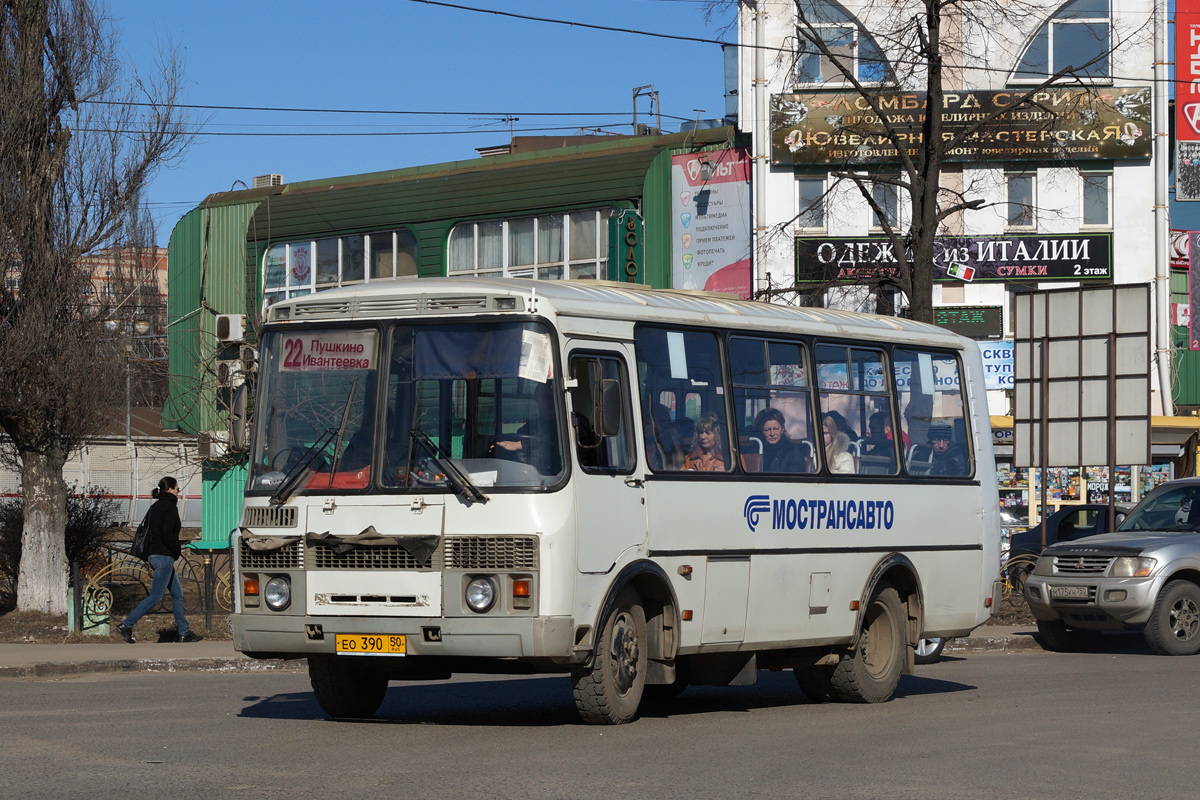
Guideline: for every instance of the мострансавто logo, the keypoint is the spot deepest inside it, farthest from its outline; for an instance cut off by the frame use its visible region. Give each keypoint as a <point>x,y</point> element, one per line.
<point>831,515</point>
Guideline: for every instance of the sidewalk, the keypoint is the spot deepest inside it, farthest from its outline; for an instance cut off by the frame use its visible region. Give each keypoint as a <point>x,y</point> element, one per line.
<point>33,661</point>
<point>56,660</point>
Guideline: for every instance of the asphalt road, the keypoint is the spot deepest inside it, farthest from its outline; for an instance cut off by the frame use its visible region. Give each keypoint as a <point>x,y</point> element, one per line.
<point>1115,722</point>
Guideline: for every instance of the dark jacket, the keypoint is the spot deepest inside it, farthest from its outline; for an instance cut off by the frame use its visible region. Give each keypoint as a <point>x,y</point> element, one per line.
<point>164,526</point>
<point>783,456</point>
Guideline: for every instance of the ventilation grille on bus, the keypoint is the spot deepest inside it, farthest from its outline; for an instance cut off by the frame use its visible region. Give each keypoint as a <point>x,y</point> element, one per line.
<point>390,306</point>
<point>286,557</point>
<point>390,557</point>
<point>491,552</point>
<point>270,517</point>
<point>435,304</point>
<point>326,309</point>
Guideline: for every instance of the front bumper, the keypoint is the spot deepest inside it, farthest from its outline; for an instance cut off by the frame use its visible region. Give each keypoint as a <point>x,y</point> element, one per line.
<point>287,636</point>
<point>1111,603</point>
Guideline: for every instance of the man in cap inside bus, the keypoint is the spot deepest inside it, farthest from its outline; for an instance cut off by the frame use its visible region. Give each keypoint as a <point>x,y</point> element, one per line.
<point>947,458</point>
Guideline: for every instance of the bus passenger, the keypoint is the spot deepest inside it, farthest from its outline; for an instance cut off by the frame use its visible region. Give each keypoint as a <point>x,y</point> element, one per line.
<point>948,458</point>
<point>837,447</point>
<point>779,454</point>
<point>708,452</point>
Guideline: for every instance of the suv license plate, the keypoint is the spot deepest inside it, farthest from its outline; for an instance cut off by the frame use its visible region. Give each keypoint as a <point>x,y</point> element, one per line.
<point>360,645</point>
<point>1069,592</point>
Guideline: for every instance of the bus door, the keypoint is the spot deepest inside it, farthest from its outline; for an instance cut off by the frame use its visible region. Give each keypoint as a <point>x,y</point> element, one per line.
<point>610,508</point>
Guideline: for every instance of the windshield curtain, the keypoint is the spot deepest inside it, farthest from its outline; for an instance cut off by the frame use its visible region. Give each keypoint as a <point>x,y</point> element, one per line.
<point>484,394</point>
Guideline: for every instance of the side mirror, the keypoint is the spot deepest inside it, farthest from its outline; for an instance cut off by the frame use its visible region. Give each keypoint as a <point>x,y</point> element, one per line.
<point>608,407</point>
<point>237,419</point>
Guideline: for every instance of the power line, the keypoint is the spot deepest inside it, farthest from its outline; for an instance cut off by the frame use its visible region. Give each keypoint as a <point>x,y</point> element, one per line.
<point>473,131</point>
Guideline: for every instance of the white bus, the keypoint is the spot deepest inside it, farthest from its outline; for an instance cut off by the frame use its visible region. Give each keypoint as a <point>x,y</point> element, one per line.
<point>641,488</point>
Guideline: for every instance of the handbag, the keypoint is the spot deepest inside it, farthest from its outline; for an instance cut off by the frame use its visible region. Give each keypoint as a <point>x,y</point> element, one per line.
<point>140,547</point>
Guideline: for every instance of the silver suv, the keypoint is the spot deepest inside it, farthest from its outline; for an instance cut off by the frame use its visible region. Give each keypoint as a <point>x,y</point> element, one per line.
<point>1145,576</point>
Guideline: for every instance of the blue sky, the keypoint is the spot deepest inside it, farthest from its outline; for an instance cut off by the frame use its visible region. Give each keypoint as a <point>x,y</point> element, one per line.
<point>406,56</point>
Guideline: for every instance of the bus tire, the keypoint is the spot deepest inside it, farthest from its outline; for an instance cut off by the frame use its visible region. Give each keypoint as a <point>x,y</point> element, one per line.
<point>609,692</point>
<point>346,687</point>
<point>871,672</point>
<point>816,684</point>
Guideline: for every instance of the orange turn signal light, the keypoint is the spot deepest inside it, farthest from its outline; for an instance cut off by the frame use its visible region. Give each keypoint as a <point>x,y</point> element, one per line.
<point>854,605</point>
<point>522,587</point>
<point>687,615</point>
<point>250,586</point>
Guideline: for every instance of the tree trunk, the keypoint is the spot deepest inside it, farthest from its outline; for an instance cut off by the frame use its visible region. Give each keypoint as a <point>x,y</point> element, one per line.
<point>42,583</point>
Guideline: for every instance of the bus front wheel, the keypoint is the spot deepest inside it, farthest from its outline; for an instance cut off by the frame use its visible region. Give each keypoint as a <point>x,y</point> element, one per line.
<point>871,672</point>
<point>346,687</point>
<point>610,690</point>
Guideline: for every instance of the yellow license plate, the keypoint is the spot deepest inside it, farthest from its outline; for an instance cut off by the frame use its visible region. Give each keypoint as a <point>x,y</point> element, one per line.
<point>366,645</point>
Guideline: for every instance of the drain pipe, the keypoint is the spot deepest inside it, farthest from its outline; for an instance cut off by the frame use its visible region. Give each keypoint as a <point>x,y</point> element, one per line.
<point>762,146</point>
<point>1162,277</point>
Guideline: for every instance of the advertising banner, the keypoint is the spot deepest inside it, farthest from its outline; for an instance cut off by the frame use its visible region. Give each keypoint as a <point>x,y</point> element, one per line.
<point>1194,292</point>
<point>997,365</point>
<point>815,128</point>
<point>1009,257</point>
<point>710,222</point>
<point>1179,250</point>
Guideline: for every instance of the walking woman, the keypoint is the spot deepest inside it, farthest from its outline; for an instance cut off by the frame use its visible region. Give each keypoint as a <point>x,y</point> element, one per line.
<point>164,549</point>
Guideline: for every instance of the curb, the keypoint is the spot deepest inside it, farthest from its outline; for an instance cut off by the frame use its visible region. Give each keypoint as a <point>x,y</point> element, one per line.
<point>992,644</point>
<point>236,664</point>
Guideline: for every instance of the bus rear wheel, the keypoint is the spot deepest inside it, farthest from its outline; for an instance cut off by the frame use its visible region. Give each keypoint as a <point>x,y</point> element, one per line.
<point>870,674</point>
<point>346,687</point>
<point>609,692</point>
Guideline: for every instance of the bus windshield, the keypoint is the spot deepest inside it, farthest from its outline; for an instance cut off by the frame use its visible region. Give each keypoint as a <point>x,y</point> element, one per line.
<point>333,417</point>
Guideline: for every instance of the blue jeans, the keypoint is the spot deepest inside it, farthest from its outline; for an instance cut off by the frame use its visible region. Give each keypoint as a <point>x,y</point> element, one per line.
<point>164,578</point>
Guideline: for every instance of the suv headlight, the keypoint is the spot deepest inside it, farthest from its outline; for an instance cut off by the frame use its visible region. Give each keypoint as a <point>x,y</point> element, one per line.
<point>1045,566</point>
<point>1131,567</point>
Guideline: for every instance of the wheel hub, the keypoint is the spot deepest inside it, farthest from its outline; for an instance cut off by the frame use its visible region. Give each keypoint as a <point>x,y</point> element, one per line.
<point>1185,620</point>
<point>625,652</point>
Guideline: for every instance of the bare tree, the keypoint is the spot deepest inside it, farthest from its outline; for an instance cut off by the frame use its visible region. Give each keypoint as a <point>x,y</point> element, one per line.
<point>904,64</point>
<point>80,137</point>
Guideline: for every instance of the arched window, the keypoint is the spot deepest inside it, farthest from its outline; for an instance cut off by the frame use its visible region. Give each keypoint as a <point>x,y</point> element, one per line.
<point>1078,36</point>
<point>847,41</point>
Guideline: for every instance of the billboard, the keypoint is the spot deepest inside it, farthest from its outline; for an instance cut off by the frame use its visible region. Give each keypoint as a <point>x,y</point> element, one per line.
<point>710,222</point>
<point>971,259</point>
<point>822,127</point>
<point>1187,100</point>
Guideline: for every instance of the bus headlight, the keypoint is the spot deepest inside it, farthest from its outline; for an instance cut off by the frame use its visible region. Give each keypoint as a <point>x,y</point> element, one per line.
<point>481,594</point>
<point>278,593</point>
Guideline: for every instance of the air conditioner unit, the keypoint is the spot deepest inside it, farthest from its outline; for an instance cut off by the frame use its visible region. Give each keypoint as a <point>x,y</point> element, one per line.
<point>264,181</point>
<point>231,327</point>
<point>230,373</point>
<point>249,358</point>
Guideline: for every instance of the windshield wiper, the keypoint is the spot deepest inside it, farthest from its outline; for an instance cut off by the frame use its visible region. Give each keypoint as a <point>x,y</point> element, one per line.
<point>299,470</point>
<point>454,476</point>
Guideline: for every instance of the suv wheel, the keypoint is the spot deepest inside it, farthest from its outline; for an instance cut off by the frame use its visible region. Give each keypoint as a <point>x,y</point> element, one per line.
<point>1057,637</point>
<point>1174,625</point>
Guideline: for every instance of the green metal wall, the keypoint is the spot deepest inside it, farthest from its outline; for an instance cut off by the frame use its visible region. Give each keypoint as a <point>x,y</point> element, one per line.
<point>1185,363</point>
<point>206,277</point>
<point>222,491</point>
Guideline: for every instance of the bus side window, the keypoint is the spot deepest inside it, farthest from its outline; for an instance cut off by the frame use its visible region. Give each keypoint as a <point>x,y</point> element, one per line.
<point>598,453</point>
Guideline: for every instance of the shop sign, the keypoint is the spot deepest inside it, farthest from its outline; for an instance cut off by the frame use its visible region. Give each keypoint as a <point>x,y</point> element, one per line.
<point>626,248</point>
<point>1054,124</point>
<point>1012,257</point>
<point>1179,249</point>
<point>997,365</point>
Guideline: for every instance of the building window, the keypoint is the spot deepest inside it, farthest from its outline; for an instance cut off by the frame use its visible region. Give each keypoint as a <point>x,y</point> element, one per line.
<point>547,247</point>
<point>811,203</point>
<point>886,197</point>
<point>1097,198</point>
<point>847,44</point>
<point>1020,200</point>
<point>1077,35</point>
<point>294,269</point>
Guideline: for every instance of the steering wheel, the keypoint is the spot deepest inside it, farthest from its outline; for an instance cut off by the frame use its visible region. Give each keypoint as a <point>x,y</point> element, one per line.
<point>280,461</point>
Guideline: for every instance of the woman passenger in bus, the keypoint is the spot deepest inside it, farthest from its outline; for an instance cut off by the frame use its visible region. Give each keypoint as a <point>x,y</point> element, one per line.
<point>708,451</point>
<point>779,454</point>
<point>837,447</point>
